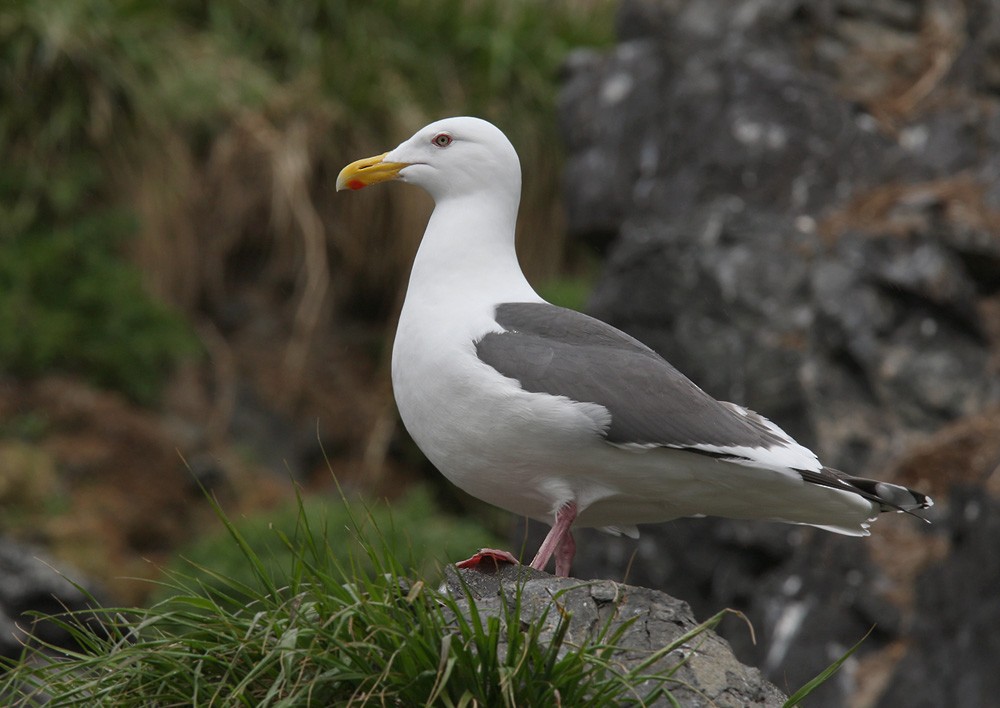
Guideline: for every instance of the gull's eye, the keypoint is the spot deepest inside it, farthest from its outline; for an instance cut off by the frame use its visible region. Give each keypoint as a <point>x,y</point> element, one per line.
<point>442,140</point>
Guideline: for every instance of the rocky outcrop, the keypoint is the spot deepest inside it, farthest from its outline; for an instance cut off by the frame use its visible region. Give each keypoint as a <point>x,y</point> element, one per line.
<point>800,207</point>
<point>704,671</point>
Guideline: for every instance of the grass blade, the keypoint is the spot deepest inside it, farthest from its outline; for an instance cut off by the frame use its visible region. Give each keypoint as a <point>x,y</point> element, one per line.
<point>821,678</point>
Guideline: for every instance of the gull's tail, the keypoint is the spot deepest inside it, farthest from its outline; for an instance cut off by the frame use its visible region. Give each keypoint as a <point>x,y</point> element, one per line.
<point>889,497</point>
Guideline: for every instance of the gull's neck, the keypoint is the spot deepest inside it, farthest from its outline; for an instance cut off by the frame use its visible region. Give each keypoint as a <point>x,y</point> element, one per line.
<point>468,253</point>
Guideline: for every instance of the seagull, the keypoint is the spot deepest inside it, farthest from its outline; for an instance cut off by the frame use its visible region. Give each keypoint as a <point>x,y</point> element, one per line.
<point>557,416</point>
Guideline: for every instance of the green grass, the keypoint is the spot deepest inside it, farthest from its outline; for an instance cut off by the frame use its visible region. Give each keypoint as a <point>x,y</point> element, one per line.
<point>337,624</point>
<point>421,537</point>
<point>335,627</point>
<point>823,676</point>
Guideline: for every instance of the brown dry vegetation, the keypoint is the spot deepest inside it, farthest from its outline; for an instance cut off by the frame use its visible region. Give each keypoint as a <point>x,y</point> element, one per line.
<point>220,129</point>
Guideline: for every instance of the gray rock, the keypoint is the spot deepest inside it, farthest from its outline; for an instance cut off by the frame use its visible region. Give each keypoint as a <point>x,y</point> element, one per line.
<point>708,674</point>
<point>32,583</point>
<point>722,295</point>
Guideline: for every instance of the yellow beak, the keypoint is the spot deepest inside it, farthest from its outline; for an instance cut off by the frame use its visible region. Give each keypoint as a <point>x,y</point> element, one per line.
<point>370,170</point>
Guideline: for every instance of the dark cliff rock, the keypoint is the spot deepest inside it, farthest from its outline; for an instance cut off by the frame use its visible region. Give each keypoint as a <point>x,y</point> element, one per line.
<point>800,209</point>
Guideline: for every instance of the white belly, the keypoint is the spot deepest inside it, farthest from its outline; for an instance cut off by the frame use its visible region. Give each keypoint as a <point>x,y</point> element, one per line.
<point>486,435</point>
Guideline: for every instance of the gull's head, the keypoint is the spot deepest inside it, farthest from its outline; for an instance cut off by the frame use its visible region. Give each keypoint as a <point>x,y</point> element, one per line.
<point>448,158</point>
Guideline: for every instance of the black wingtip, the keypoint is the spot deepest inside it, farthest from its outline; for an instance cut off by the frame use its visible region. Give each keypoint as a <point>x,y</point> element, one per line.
<point>889,497</point>
<point>893,496</point>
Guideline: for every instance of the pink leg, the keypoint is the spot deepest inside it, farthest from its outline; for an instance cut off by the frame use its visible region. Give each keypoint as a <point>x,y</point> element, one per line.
<point>555,539</point>
<point>564,555</point>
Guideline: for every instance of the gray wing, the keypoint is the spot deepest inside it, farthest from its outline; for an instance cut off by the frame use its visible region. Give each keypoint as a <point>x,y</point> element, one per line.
<point>554,350</point>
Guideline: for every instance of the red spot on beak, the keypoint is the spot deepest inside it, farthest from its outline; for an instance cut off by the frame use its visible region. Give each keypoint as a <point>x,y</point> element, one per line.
<point>355,184</point>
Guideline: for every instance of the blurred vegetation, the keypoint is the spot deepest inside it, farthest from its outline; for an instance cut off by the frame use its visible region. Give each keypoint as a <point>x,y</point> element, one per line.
<point>68,300</point>
<point>157,155</point>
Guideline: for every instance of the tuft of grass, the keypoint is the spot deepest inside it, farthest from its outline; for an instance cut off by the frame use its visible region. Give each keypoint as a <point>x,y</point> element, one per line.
<point>337,624</point>
<point>333,628</point>
<point>415,530</point>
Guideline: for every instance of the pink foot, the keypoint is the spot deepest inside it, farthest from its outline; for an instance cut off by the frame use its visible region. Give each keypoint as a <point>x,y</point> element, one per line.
<point>498,558</point>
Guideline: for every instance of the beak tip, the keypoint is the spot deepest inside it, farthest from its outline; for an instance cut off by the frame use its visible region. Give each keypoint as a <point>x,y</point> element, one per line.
<point>370,170</point>
<point>353,184</point>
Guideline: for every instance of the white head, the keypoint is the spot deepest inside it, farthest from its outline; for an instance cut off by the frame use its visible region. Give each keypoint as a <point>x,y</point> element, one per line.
<point>453,157</point>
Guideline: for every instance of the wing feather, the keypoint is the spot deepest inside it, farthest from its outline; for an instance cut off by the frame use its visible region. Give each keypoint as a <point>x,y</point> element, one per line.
<point>553,350</point>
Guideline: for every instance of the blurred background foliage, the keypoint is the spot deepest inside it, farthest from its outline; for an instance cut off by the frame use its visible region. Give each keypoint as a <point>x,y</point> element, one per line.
<point>196,143</point>
<point>170,234</point>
